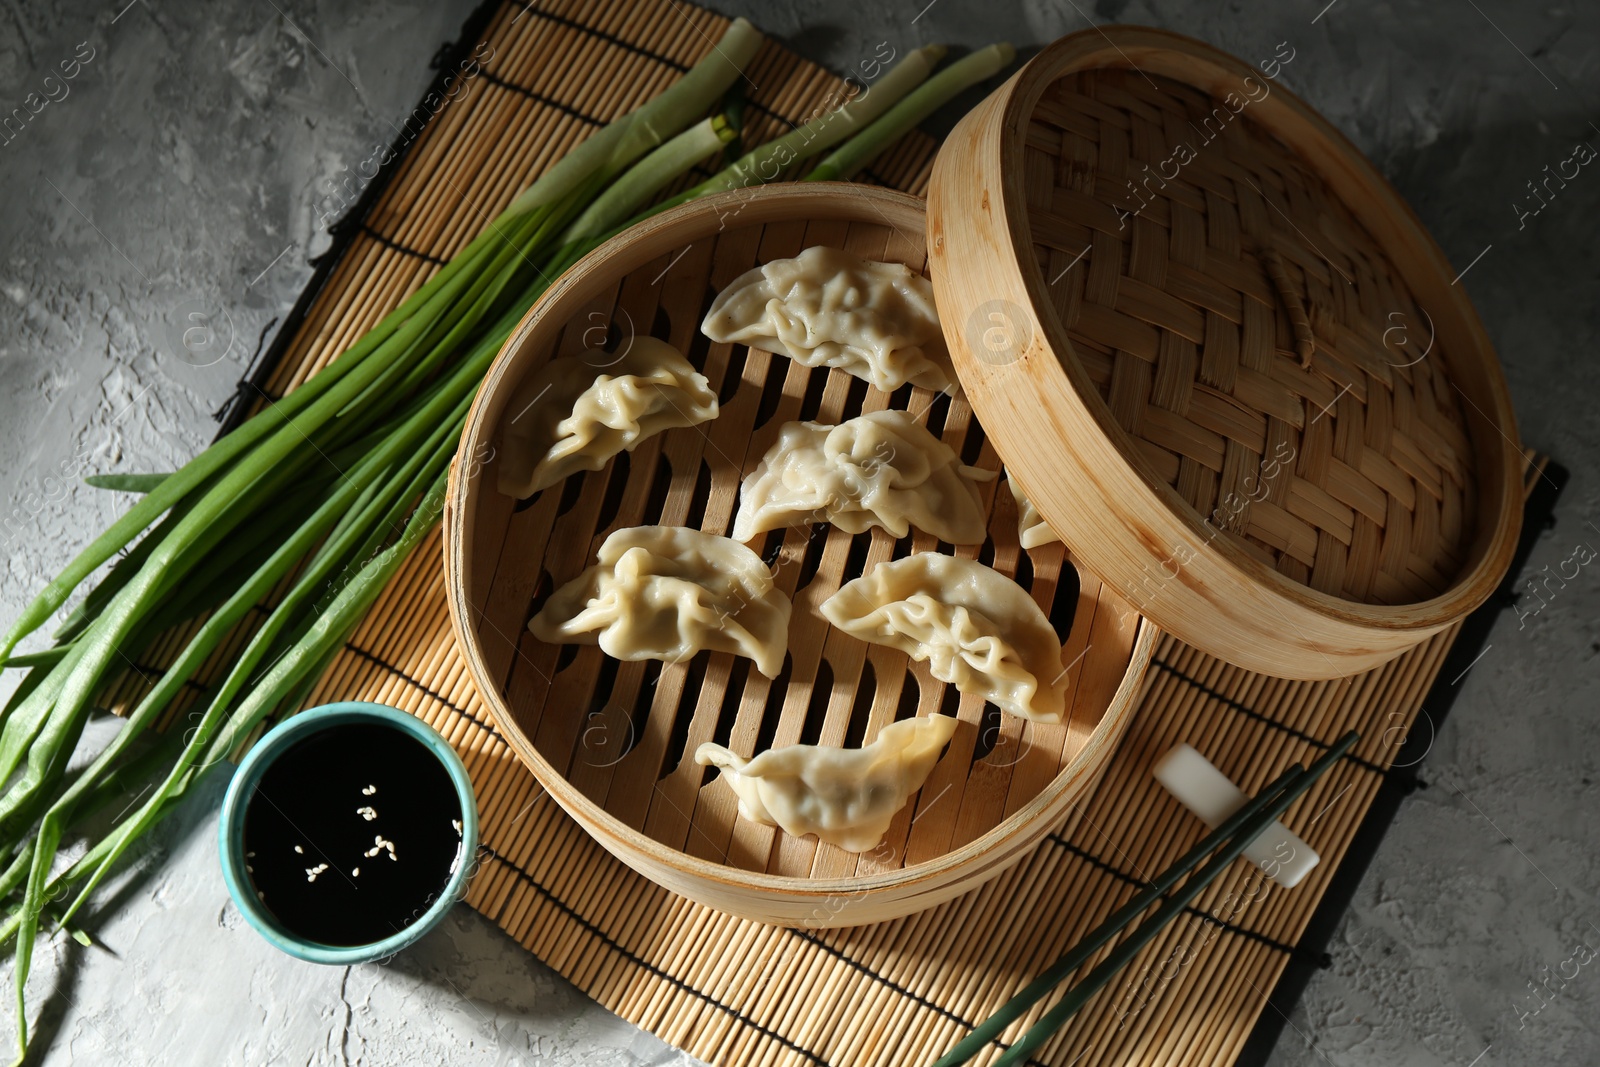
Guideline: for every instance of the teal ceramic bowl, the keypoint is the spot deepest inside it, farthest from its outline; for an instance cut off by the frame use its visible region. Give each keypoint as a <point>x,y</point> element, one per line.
<point>243,787</point>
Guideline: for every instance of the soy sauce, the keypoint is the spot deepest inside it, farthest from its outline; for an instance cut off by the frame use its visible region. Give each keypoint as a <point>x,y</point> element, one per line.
<point>352,834</point>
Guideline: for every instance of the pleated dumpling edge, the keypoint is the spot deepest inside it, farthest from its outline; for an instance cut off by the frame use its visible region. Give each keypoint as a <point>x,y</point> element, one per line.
<point>575,413</point>
<point>830,308</point>
<point>668,592</point>
<point>977,629</point>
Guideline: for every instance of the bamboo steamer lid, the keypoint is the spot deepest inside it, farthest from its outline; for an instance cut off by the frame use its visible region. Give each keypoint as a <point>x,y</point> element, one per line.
<point>1221,356</point>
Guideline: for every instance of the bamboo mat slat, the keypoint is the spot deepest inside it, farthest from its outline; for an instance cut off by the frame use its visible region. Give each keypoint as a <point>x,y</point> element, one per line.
<point>730,991</point>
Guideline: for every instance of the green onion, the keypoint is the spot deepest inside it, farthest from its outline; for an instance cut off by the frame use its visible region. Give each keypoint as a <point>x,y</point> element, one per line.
<point>616,146</point>
<point>128,483</point>
<point>768,162</point>
<point>917,105</point>
<point>362,402</point>
<point>650,176</point>
<point>877,125</point>
<point>45,657</point>
<point>733,102</point>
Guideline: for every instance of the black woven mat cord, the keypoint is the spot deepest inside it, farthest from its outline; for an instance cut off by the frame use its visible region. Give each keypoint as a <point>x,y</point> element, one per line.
<point>1538,515</point>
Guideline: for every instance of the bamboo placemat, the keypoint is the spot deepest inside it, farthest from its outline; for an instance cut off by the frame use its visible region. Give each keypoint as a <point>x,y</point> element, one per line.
<point>730,991</point>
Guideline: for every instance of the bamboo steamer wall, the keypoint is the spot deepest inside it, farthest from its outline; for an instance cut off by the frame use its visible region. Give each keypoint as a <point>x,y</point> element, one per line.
<point>1229,365</point>
<point>614,742</point>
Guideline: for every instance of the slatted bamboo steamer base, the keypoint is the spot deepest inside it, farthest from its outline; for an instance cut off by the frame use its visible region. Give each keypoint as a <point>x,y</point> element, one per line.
<point>1239,380</point>
<point>614,742</point>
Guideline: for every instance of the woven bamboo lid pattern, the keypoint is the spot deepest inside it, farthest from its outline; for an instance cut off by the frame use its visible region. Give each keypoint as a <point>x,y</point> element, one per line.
<point>1253,351</point>
<point>1232,350</point>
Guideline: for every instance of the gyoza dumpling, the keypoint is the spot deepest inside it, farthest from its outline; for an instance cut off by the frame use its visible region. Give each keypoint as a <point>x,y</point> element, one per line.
<point>976,628</point>
<point>1032,531</point>
<point>882,468</point>
<point>574,414</point>
<point>665,593</point>
<point>831,308</point>
<point>847,796</point>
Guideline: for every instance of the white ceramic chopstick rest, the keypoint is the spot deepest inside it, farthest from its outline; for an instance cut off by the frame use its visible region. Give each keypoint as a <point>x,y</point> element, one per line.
<point>1207,792</point>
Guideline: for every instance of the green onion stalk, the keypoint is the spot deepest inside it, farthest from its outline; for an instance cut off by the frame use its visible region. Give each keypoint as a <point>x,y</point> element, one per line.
<point>305,512</point>
<point>256,470</point>
<point>769,161</point>
<point>917,105</point>
<point>867,126</point>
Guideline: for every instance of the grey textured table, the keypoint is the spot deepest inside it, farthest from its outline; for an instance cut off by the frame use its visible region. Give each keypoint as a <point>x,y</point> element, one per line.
<point>186,163</point>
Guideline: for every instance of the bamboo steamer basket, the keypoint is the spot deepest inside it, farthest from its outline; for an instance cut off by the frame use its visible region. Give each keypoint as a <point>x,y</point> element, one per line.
<point>1379,481</point>
<point>614,742</point>
<point>1239,380</point>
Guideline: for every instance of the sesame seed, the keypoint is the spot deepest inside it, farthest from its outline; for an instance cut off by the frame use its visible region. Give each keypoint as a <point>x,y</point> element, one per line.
<point>367,813</point>
<point>300,850</point>
<point>355,872</point>
<point>369,790</point>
